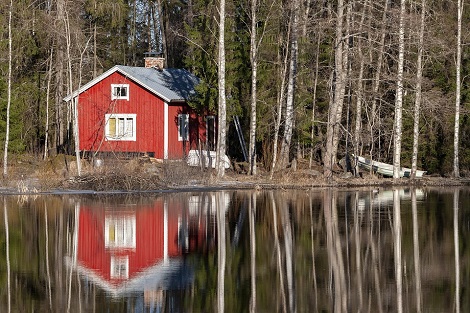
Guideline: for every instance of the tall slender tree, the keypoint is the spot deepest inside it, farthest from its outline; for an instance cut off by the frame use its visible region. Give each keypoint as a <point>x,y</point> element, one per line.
<point>222,109</point>
<point>419,82</point>
<point>458,88</point>
<point>397,135</point>
<point>7,132</point>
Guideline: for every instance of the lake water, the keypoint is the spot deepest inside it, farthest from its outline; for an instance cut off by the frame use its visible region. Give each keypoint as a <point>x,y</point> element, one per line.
<point>325,250</point>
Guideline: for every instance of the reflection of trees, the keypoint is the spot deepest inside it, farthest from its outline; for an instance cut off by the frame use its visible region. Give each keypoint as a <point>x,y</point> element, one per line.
<point>334,250</point>
<point>7,253</point>
<point>397,249</point>
<point>456,249</point>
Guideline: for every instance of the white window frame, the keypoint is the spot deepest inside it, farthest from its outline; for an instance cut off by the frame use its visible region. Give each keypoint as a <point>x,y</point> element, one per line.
<point>127,133</point>
<point>183,136</point>
<point>119,267</point>
<point>124,232</point>
<point>115,96</point>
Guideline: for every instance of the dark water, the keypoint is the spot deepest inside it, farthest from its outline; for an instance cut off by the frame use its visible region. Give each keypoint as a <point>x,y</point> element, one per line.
<point>237,251</point>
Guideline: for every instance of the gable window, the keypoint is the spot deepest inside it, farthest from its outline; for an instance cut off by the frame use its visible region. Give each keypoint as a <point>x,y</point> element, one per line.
<point>120,91</point>
<point>183,127</point>
<point>120,127</point>
<point>119,267</point>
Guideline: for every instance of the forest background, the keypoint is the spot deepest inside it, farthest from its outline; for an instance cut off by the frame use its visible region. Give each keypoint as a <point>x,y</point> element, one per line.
<point>294,48</point>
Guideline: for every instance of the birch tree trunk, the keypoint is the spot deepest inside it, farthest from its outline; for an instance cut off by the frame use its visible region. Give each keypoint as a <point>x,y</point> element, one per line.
<point>289,121</point>
<point>399,95</point>
<point>48,92</point>
<point>254,70</point>
<point>336,100</point>
<point>7,131</point>
<point>419,82</point>
<point>280,101</point>
<point>222,117</point>
<point>314,100</point>
<point>457,88</point>
<point>68,40</point>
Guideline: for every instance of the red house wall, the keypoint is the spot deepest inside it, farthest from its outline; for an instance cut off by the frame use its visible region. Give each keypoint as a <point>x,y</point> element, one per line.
<point>95,102</point>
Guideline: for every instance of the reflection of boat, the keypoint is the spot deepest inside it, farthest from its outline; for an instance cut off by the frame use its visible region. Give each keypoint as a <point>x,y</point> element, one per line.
<point>384,168</point>
<point>385,197</point>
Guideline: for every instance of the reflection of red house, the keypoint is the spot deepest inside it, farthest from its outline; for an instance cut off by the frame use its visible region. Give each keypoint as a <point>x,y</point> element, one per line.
<point>127,249</point>
<point>141,110</point>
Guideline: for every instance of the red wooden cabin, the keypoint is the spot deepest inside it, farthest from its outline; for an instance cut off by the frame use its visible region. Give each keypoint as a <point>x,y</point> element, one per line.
<point>141,110</point>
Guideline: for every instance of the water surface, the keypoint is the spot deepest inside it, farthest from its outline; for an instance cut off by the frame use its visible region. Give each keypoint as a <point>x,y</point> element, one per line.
<point>326,250</point>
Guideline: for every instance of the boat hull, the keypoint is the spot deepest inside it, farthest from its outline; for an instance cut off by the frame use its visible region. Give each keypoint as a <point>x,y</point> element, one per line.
<point>385,169</point>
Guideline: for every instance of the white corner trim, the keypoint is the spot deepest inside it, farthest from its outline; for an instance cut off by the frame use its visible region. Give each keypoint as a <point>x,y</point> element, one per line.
<point>165,131</point>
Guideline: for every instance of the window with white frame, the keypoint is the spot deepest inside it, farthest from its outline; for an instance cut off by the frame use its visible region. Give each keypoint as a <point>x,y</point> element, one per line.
<point>183,127</point>
<point>120,232</point>
<point>120,91</point>
<point>120,127</point>
<point>119,267</point>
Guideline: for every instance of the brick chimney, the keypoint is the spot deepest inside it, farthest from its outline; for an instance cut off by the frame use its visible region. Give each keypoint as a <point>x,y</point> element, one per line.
<point>155,62</point>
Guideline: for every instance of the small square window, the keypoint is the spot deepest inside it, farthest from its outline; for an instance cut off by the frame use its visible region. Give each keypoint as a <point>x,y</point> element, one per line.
<point>120,91</point>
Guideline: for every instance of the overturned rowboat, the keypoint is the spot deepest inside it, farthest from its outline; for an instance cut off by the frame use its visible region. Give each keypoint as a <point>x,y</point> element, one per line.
<point>384,168</point>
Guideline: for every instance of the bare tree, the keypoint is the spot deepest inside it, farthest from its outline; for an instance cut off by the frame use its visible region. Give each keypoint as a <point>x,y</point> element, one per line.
<point>254,72</point>
<point>222,110</point>
<point>7,131</point>
<point>399,94</point>
<point>289,121</point>
<point>337,98</point>
<point>419,82</point>
<point>457,87</point>
<point>416,258</point>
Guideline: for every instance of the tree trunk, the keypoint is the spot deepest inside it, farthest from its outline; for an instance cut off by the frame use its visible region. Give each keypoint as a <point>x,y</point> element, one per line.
<point>419,82</point>
<point>336,100</point>
<point>222,118</point>
<point>7,132</point>
<point>399,95</point>
<point>254,71</point>
<point>48,92</point>
<point>457,88</point>
<point>314,100</point>
<point>289,121</point>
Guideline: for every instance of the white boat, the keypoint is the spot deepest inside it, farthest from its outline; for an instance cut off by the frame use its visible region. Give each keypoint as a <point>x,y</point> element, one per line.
<point>384,168</point>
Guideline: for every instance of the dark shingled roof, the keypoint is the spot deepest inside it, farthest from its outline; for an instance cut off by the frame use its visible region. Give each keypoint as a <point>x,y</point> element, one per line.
<point>171,84</point>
